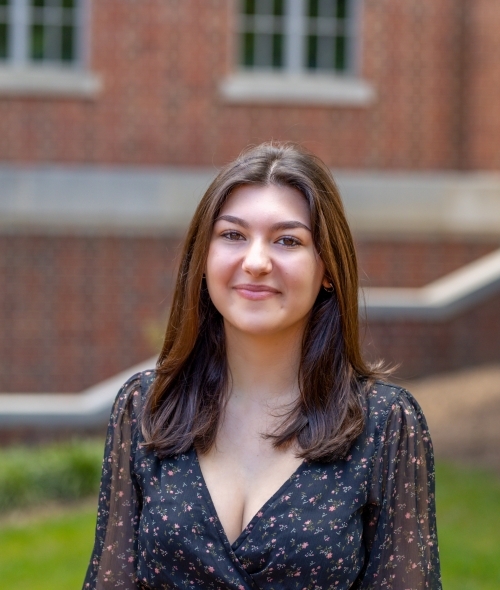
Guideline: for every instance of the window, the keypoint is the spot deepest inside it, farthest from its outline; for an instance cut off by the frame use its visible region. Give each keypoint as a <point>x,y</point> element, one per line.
<point>40,31</point>
<point>298,52</point>
<point>42,49</point>
<point>296,35</point>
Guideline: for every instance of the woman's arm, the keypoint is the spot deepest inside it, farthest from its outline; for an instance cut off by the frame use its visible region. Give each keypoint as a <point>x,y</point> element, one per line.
<point>400,527</point>
<point>114,561</point>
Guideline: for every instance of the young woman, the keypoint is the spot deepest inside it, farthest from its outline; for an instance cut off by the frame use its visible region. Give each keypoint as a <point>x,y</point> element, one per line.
<point>263,452</point>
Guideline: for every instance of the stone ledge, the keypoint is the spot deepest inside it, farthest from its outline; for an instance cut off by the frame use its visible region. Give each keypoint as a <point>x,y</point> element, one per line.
<point>299,89</point>
<point>133,200</point>
<point>48,81</point>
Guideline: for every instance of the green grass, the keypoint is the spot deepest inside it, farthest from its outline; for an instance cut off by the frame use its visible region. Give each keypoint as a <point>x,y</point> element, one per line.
<point>468,511</point>
<point>51,552</point>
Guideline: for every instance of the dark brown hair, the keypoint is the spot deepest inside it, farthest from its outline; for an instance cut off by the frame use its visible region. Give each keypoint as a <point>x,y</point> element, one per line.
<point>185,402</point>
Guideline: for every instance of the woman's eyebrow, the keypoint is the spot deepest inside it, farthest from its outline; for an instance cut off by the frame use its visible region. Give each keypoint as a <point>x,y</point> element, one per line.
<point>233,219</point>
<point>289,225</point>
<point>280,225</point>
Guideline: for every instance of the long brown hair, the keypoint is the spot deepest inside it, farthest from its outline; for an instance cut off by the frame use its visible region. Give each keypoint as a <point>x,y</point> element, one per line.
<point>185,402</point>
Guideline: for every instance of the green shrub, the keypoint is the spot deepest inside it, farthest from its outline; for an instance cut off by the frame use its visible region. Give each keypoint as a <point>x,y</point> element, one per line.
<point>64,471</point>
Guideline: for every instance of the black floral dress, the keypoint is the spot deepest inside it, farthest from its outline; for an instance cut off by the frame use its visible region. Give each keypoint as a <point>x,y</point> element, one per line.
<point>365,522</point>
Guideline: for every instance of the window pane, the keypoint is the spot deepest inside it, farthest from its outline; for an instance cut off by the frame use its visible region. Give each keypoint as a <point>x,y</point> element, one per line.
<point>322,8</point>
<point>312,9</point>
<point>278,8</point>
<point>263,41</point>
<point>248,6</point>
<point>52,43</point>
<point>248,49</point>
<point>277,50</point>
<point>327,41</point>
<point>4,40</point>
<point>327,8</point>
<point>37,42</point>
<point>312,51</point>
<point>67,43</point>
<point>341,8</point>
<point>4,11</point>
<point>265,6</point>
<point>340,53</point>
<point>53,30</point>
<point>325,53</point>
<point>263,50</point>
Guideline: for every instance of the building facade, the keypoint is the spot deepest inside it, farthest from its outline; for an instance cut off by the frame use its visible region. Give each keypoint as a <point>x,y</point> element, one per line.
<point>403,91</point>
<point>385,84</point>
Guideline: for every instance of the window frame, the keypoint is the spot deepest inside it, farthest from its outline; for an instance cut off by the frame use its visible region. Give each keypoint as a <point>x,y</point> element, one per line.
<point>21,75</point>
<point>294,28</point>
<point>19,53</point>
<point>299,86</point>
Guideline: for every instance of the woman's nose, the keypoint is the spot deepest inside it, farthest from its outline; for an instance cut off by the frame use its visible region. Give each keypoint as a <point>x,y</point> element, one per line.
<point>257,260</point>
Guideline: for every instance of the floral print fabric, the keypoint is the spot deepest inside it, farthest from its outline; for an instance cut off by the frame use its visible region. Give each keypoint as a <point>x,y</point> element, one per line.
<point>365,522</point>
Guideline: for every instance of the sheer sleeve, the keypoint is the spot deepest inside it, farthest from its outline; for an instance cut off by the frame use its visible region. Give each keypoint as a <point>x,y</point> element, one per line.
<point>114,562</point>
<point>400,528</point>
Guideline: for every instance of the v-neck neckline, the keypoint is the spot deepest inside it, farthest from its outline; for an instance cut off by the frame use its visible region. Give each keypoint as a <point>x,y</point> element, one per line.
<point>258,515</point>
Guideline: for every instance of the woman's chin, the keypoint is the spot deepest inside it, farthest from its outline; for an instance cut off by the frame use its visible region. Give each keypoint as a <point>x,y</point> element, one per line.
<point>262,328</point>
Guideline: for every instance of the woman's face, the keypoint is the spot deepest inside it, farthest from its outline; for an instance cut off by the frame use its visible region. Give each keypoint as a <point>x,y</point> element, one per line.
<point>263,272</point>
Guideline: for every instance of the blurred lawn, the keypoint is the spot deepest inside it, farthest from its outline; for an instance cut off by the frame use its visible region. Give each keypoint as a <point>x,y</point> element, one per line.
<point>49,552</point>
<point>468,506</point>
<point>52,552</point>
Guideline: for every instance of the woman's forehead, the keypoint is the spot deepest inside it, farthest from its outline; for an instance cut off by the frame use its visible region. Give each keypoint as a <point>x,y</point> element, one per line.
<point>254,201</point>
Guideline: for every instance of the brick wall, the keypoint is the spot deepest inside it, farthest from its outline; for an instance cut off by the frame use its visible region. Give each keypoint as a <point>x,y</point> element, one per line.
<point>481,127</point>
<point>420,348</point>
<point>434,65</point>
<point>415,262</point>
<point>78,309</point>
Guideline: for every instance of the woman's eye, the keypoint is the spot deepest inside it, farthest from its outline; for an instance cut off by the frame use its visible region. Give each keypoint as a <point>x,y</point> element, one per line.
<point>232,235</point>
<point>289,241</point>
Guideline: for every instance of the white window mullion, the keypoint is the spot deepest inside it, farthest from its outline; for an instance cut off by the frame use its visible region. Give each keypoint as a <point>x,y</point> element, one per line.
<point>354,42</point>
<point>19,37</point>
<point>294,35</point>
<point>82,32</point>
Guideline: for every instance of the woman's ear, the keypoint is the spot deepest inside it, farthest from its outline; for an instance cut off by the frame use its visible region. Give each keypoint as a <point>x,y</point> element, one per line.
<point>327,284</point>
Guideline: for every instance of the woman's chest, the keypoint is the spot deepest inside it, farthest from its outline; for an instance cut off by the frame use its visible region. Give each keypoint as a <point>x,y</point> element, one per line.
<point>312,525</point>
<point>240,482</point>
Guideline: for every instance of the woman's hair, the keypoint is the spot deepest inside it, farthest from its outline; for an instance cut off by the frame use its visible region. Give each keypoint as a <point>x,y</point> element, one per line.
<point>185,402</point>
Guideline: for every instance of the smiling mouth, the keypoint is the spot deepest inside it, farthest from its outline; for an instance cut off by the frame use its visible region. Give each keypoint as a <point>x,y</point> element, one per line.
<point>255,292</point>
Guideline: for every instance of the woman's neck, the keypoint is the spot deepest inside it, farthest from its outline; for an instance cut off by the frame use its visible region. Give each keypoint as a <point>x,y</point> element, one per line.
<point>264,369</point>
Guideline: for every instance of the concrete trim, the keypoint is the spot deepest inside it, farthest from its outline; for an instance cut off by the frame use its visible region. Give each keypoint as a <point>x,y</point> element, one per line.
<point>49,81</point>
<point>440,299</point>
<point>99,199</point>
<point>114,199</point>
<point>300,89</point>
<point>89,408</point>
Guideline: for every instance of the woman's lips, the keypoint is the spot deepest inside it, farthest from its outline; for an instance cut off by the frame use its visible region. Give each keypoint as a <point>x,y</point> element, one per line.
<point>256,292</point>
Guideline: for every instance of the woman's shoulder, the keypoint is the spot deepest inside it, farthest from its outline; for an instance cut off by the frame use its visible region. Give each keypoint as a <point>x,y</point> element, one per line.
<point>132,393</point>
<point>139,381</point>
<point>384,399</point>
<point>392,418</point>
